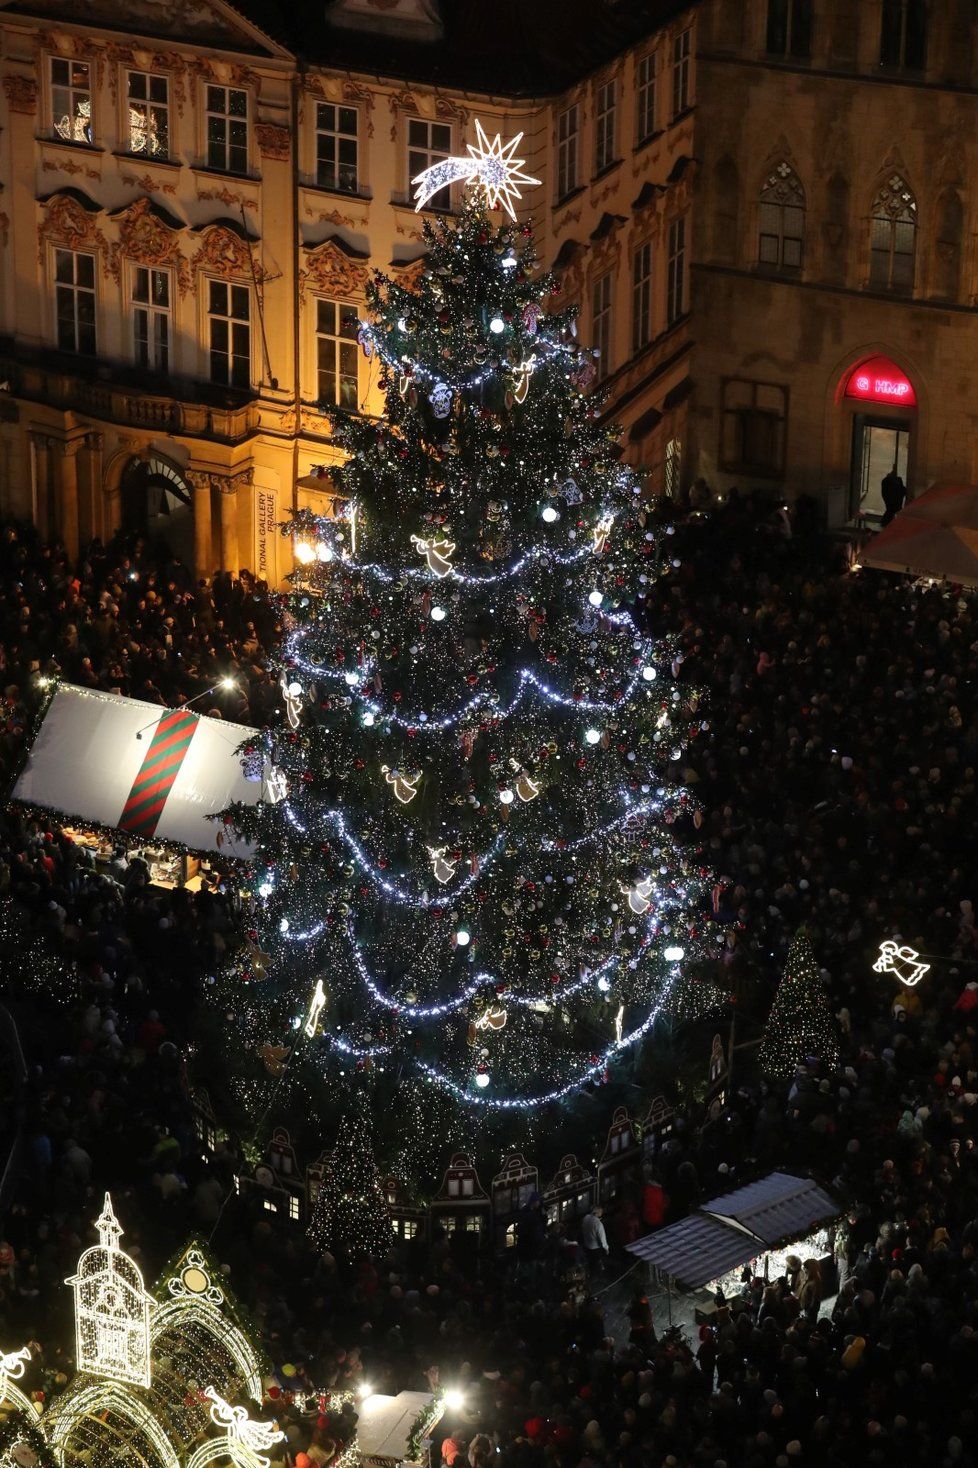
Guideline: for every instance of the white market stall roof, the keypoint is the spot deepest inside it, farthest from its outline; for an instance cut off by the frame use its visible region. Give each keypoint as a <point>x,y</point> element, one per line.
<point>385,1424</point>
<point>737,1226</point>
<point>936,535</point>
<point>152,772</point>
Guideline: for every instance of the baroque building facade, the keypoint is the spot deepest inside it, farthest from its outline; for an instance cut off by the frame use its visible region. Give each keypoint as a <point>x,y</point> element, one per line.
<point>191,208</point>
<point>834,281</point>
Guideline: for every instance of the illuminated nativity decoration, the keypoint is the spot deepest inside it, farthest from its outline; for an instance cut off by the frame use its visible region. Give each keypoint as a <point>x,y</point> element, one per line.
<point>164,1380</point>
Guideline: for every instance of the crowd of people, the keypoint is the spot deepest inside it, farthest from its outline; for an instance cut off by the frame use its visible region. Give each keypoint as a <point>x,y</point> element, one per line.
<point>837,785</point>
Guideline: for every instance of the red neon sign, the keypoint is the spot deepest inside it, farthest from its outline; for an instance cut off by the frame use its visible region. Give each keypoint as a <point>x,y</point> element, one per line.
<point>879,380</point>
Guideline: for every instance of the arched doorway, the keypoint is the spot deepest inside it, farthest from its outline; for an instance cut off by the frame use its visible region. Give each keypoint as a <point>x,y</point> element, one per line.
<point>157,502</point>
<point>882,404</point>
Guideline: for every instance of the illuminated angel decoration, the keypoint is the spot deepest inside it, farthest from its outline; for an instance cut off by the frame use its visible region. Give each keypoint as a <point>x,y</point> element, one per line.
<point>405,786</point>
<point>292,697</point>
<point>316,1007</point>
<point>601,532</point>
<point>900,961</point>
<point>438,553</point>
<point>247,1441</point>
<point>639,896</point>
<point>490,166</point>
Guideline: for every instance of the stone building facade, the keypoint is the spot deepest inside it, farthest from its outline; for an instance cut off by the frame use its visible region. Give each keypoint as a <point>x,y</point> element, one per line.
<point>834,281</point>
<point>191,207</point>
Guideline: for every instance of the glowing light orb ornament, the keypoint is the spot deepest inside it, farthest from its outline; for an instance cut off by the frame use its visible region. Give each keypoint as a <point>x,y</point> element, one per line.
<point>674,955</point>
<point>490,166</point>
<point>902,961</point>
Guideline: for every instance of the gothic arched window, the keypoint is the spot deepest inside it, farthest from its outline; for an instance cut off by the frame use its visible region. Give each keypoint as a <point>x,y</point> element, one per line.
<point>893,239</point>
<point>781,220</point>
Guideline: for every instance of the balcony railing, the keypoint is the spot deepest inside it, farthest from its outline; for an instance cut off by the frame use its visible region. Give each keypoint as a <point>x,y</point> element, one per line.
<point>168,405</point>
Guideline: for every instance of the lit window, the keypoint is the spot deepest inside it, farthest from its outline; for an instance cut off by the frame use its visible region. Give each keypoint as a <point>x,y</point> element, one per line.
<point>429,143</point>
<point>641,297</point>
<point>676,275</point>
<point>672,479</point>
<point>227,129</point>
<point>337,354</point>
<point>894,236</point>
<point>789,28</point>
<point>269,1206</point>
<point>601,328</point>
<point>409,1228</point>
<point>473,1224</point>
<point>468,1187</point>
<point>604,126</point>
<point>681,47</point>
<point>71,100</point>
<point>151,318</point>
<point>74,296</point>
<point>645,81</point>
<point>781,220</point>
<point>337,147</point>
<point>568,136</point>
<point>510,1238</point>
<point>149,114</point>
<point>229,314</point>
<point>293,1208</point>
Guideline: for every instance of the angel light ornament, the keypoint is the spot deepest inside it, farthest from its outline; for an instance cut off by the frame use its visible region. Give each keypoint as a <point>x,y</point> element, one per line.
<point>490,166</point>
<point>526,788</point>
<point>316,1007</point>
<point>405,787</point>
<point>292,697</point>
<point>276,785</point>
<point>493,1017</point>
<point>245,1442</point>
<point>437,552</point>
<point>639,896</point>
<point>443,868</point>
<point>601,532</point>
<point>901,961</point>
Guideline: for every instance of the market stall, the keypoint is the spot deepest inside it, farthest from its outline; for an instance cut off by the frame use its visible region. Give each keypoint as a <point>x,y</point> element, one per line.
<point>127,774</point>
<point>393,1432</point>
<point>756,1226</point>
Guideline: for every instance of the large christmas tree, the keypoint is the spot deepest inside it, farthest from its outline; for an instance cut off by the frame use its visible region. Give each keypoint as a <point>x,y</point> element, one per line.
<point>800,1026</point>
<point>474,854</point>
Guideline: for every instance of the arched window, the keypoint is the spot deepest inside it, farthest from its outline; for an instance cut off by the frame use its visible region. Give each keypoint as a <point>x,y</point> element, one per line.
<point>903,35</point>
<point>781,220</point>
<point>893,240</point>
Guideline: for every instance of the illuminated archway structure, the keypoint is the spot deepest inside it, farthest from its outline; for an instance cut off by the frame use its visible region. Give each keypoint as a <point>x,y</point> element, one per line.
<point>158,1375</point>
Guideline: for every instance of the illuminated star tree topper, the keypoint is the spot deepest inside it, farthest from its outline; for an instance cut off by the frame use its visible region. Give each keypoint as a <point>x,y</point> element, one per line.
<point>490,166</point>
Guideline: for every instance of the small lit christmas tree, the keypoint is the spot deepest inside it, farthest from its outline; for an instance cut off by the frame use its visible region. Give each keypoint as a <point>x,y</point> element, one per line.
<point>800,1025</point>
<point>351,1210</point>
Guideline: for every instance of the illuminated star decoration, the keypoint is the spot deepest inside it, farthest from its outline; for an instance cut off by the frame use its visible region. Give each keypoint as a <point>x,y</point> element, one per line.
<point>490,165</point>
<point>900,961</point>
